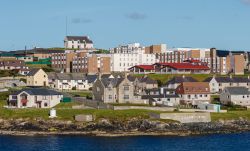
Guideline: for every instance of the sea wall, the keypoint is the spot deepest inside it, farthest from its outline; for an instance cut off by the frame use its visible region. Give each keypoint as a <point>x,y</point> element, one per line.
<point>184,117</point>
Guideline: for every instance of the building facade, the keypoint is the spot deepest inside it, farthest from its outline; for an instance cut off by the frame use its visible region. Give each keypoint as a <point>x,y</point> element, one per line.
<point>78,42</point>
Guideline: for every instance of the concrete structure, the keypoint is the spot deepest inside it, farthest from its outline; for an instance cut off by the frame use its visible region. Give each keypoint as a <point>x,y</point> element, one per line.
<point>209,107</point>
<point>193,92</point>
<point>37,77</point>
<point>35,98</point>
<point>154,49</point>
<point>184,117</point>
<point>92,64</point>
<point>125,57</point>
<point>84,118</point>
<point>78,42</point>
<point>235,96</point>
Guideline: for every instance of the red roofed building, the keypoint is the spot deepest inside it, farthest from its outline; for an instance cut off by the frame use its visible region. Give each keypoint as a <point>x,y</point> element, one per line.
<point>181,68</point>
<point>142,69</point>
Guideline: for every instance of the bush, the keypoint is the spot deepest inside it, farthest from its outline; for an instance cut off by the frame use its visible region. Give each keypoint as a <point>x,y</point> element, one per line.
<point>73,88</point>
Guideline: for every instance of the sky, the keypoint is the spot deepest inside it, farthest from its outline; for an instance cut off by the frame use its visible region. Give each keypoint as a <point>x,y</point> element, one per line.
<point>224,24</point>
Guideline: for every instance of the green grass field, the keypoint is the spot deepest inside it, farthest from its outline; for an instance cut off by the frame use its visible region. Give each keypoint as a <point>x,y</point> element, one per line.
<point>231,115</point>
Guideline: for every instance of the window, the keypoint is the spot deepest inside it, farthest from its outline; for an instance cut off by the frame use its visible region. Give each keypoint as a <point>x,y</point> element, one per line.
<point>110,97</point>
<point>97,89</point>
<point>243,96</point>
<point>126,97</point>
<point>126,88</point>
<point>45,104</point>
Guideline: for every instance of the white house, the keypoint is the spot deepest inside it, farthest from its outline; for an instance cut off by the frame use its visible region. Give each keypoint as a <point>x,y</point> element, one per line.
<point>78,42</point>
<point>236,96</point>
<point>34,98</point>
<point>71,81</point>
<point>217,84</point>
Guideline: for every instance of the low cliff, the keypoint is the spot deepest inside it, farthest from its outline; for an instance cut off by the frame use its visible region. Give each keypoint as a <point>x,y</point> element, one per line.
<point>107,127</point>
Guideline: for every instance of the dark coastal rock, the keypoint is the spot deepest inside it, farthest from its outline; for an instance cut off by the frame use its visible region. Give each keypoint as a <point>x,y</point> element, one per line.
<point>133,125</point>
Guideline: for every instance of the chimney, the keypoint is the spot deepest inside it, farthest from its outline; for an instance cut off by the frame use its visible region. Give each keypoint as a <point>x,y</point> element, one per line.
<point>99,76</point>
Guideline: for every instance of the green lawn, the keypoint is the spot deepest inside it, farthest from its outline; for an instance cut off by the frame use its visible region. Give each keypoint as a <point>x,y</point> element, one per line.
<point>230,115</point>
<point>81,93</point>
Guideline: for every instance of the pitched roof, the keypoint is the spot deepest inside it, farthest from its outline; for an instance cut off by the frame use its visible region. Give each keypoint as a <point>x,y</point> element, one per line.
<point>184,66</point>
<point>113,81</point>
<point>33,72</point>
<point>175,80</point>
<point>148,80</point>
<point>238,90</point>
<point>144,67</point>
<point>91,78</point>
<point>229,80</point>
<point>193,88</point>
<point>38,91</point>
<point>81,38</point>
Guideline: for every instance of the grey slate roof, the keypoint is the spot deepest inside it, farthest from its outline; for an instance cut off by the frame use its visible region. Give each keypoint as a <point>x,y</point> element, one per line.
<point>148,80</point>
<point>81,38</point>
<point>33,72</point>
<point>229,80</point>
<point>38,91</point>
<point>91,78</point>
<point>181,79</point>
<point>66,76</point>
<point>114,81</point>
<point>238,90</point>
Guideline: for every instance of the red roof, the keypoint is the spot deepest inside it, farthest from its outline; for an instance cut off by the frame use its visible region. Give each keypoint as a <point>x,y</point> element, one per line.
<point>184,66</point>
<point>145,67</point>
<point>193,61</point>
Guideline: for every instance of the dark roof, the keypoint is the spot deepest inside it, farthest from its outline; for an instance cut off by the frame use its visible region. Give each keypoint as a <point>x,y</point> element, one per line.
<point>114,81</point>
<point>228,79</point>
<point>238,90</point>
<point>222,53</point>
<point>66,76</point>
<point>33,72</point>
<point>131,78</point>
<point>148,80</point>
<point>38,91</point>
<point>81,38</point>
<point>180,80</point>
<point>91,78</point>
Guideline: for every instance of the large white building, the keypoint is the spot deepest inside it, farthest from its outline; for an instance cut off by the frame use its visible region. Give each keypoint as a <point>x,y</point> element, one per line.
<point>125,57</point>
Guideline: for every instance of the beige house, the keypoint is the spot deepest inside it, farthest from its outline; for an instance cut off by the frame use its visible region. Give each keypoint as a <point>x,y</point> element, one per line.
<point>37,77</point>
<point>34,98</point>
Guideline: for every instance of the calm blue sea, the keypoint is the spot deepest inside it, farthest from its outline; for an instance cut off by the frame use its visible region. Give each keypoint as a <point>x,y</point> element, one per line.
<point>223,142</point>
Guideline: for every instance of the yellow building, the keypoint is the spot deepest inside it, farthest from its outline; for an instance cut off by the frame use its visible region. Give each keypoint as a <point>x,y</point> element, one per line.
<point>37,77</point>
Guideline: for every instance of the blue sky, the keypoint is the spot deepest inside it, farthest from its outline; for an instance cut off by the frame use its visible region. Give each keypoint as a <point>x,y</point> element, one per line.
<point>224,24</point>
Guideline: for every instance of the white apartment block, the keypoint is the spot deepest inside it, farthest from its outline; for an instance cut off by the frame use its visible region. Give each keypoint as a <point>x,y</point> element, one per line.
<point>125,57</point>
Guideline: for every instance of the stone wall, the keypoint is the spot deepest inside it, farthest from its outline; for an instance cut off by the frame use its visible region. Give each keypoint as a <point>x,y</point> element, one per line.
<point>184,117</point>
<point>164,109</point>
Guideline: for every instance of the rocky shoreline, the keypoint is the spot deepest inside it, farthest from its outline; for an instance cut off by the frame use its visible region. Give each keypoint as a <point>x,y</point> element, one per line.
<point>113,128</point>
